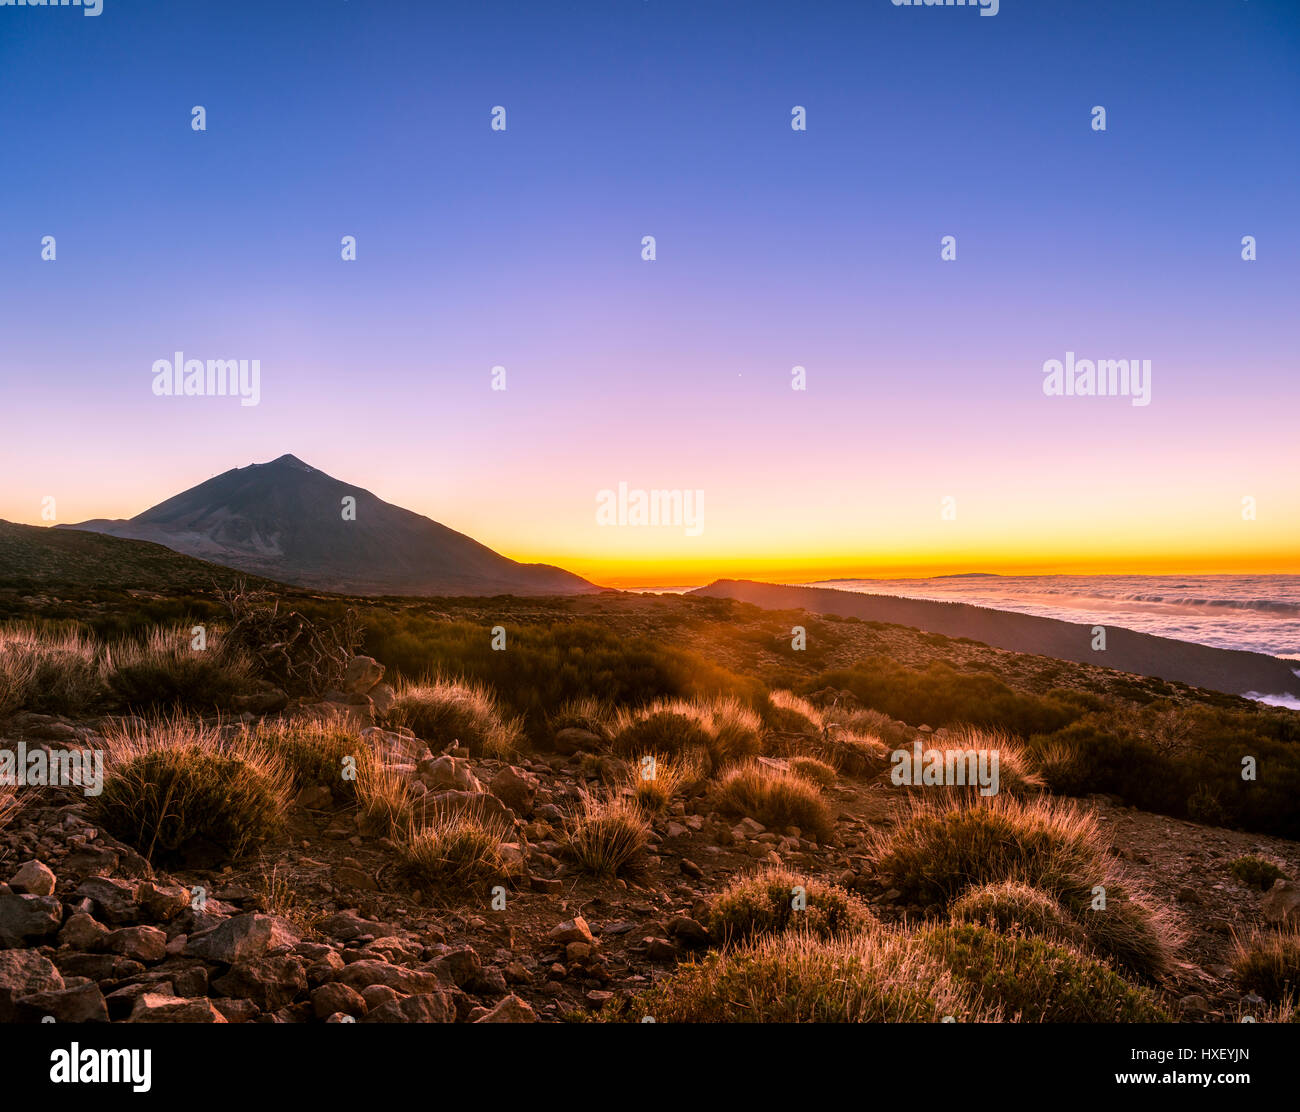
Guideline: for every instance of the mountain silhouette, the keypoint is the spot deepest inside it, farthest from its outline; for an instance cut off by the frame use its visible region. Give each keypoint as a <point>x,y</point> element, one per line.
<point>286,520</point>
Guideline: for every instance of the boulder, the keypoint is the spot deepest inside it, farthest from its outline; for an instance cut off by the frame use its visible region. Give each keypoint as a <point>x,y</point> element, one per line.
<point>270,982</point>
<point>82,1004</point>
<point>445,773</point>
<point>241,939</point>
<point>143,944</point>
<point>331,999</point>
<point>360,975</point>
<point>576,740</point>
<point>1281,903</point>
<point>572,930</point>
<point>113,901</point>
<point>33,879</point>
<point>23,972</point>
<point>516,788</point>
<point>83,932</point>
<point>26,919</point>
<point>362,673</point>
<point>481,805</point>
<point>428,1007</point>
<point>155,1007</point>
<point>509,1009</point>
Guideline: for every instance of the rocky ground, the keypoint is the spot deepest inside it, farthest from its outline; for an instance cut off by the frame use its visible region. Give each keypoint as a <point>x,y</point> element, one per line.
<point>322,927</point>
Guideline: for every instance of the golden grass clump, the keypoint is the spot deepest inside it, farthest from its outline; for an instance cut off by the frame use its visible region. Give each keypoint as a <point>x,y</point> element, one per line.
<point>313,751</point>
<point>1267,963</point>
<point>583,713</point>
<point>942,847</point>
<point>440,710</point>
<point>655,781</point>
<point>724,729</point>
<point>778,800</point>
<point>810,768</point>
<point>1016,773</point>
<point>165,671</point>
<point>454,850</point>
<point>1009,906</point>
<point>175,787</point>
<point>878,976</point>
<point>776,900</point>
<point>786,712</point>
<point>48,670</point>
<point>386,801</point>
<point>606,835</point>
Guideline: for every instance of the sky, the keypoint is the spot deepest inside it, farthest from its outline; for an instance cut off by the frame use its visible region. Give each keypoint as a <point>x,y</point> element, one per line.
<point>923,442</point>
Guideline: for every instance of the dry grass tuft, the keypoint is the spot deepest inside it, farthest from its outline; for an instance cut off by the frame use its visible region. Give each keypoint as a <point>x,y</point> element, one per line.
<point>778,800</point>
<point>177,788</point>
<point>606,835</point>
<point>1268,964</point>
<point>765,903</point>
<point>442,710</point>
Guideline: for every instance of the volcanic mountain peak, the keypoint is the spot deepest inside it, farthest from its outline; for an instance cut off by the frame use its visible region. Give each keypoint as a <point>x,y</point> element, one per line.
<point>289,521</point>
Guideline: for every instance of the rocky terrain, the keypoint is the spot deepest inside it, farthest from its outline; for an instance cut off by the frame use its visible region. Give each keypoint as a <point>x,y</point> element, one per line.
<point>320,926</point>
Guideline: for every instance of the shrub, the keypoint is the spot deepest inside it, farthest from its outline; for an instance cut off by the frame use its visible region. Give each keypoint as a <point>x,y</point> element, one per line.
<point>454,850</point>
<point>735,731</point>
<point>810,768</point>
<point>299,654</point>
<point>776,799</point>
<point>606,835</point>
<point>941,848</point>
<point>1268,964</point>
<point>180,790</point>
<point>442,710</point>
<point>941,696</point>
<point>662,729</point>
<point>869,723</point>
<point>722,728</point>
<point>583,713</point>
<point>164,672</point>
<point>312,751</point>
<point>48,671</point>
<point>762,903</point>
<point>1256,872</point>
<point>1016,772</point>
<point>877,977</point>
<point>1038,980</point>
<point>671,776</point>
<point>1009,906</point>
<point>784,712</point>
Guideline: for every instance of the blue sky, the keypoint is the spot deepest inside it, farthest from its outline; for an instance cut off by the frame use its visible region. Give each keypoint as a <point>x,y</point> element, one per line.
<point>775,248</point>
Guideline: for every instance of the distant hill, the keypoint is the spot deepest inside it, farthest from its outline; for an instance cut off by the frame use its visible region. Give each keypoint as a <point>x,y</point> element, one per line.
<point>284,520</point>
<point>32,557</point>
<point>1230,670</point>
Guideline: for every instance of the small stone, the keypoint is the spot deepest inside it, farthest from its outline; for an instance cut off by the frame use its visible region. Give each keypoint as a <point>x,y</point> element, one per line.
<point>154,1007</point>
<point>509,1009</point>
<point>143,944</point>
<point>572,930</point>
